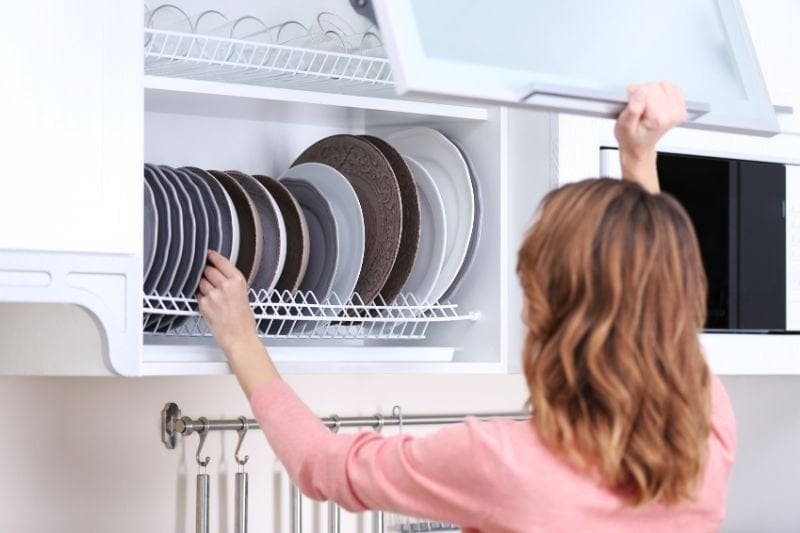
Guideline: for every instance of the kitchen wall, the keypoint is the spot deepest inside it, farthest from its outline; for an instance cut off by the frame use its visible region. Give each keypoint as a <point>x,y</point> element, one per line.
<point>84,454</point>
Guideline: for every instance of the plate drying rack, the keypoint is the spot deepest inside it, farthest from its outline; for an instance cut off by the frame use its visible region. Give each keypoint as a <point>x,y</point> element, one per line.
<point>211,58</point>
<point>299,315</point>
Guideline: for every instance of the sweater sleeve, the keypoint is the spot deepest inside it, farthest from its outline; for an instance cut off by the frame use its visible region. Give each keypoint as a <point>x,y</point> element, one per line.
<point>723,421</point>
<point>443,476</point>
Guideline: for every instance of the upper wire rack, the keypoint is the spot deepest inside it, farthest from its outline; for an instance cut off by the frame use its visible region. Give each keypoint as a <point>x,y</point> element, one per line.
<point>299,315</point>
<point>203,57</point>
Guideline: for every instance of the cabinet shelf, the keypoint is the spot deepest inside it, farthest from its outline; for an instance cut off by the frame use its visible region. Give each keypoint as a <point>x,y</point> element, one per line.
<point>204,97</point>
<point>195,56</point>
<point>285,315</point>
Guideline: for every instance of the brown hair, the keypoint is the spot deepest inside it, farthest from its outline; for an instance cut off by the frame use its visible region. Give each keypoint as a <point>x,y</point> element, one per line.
<point>615,296</point>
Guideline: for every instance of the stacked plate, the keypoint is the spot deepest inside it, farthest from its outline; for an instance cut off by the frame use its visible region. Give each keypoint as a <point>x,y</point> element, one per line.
<point>356,218</point>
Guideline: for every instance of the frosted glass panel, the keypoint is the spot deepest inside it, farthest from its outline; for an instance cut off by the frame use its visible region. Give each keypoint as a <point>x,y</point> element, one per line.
<point>579,56</point>
<point>604,44</point>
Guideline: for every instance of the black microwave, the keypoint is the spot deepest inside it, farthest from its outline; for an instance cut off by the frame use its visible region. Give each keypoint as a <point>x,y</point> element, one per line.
<point>746,217</point>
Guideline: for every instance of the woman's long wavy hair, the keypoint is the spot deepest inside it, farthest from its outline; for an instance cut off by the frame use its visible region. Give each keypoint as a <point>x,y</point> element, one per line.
<point>615,297</point>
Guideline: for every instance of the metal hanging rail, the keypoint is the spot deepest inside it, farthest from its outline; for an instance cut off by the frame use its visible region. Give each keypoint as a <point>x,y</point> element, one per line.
<point>173,425</point>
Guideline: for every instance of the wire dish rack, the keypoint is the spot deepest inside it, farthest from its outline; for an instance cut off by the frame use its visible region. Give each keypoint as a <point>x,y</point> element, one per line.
<point>211,58</point>
<point>299,315</point>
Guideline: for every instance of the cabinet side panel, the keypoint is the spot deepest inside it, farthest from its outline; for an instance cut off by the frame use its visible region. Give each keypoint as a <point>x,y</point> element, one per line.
<point>530,178</point>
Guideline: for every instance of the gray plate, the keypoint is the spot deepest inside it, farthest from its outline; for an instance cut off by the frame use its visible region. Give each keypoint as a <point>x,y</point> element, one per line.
<point>164,241</point>
<point>186,257</point>
<point>201,234</point>
<point>150,231</point>
<point>297,247</point>
<point>229,245</point>
<point>349,220</point>
<point>171,224</point>
<point>273,232</point>
<point>376,185</point>
<point>247,240</point>
<point>216,235</point>
<point>323,238</point>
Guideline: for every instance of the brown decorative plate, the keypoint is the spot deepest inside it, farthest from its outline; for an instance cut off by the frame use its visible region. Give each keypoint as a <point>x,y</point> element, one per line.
<point>409,239</point>
<point>297,239</point>
<point>250,246</point>
<point>375,183</point>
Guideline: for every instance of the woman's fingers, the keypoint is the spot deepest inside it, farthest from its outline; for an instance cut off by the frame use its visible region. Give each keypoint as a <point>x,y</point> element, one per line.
<point>214,277</point>
<point>205,287</point>
<point>674,101</point>
<point>223,265</point>
<point>680,102</point>
<point>659,108</point>
<point>633,112</point>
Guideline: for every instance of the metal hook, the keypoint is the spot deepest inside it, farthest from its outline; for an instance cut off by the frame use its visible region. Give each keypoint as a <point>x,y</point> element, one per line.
<point>242,434</point>
<point>397,412</point>
<point>202,433</point>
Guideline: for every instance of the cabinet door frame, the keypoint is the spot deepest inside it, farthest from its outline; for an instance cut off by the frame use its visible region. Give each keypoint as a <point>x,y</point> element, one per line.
<point>418,74</point>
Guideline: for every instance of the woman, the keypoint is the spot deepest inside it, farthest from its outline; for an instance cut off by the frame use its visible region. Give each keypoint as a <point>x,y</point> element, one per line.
<point>630,431</point>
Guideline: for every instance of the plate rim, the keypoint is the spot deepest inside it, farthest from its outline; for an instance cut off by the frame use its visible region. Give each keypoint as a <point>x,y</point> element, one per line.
<point>256,260</point>
<point>334,229</point>
<point>383,255</point>
<point>271,206</point>
<point>426,180</point>
<point>461,182</point>
<point>268,182</point>
<point>351,222</point>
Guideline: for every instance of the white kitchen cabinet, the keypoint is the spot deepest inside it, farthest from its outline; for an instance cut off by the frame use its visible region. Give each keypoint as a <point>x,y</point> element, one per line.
<point>72,111</point>
<point>217,114</point>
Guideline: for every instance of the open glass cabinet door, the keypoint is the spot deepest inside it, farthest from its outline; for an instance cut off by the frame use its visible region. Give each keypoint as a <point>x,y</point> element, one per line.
<point>578,56</point>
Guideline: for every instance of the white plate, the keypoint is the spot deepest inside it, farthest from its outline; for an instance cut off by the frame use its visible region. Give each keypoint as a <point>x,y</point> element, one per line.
<point>432,237</point>
<point>349,220</point>
<point>475,238</point>
<point>442,159</point>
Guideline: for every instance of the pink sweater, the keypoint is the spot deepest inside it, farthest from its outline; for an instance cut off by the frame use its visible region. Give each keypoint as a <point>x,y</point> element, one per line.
<point>487,476</point>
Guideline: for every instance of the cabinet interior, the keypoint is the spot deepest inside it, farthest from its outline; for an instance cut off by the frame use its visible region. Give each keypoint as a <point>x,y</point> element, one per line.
<point>261,135</point>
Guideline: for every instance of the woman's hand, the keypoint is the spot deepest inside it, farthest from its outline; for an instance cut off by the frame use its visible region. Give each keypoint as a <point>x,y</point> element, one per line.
<point>222,300</point>
<point>652,110</point>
